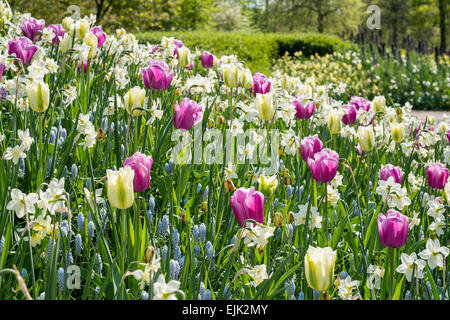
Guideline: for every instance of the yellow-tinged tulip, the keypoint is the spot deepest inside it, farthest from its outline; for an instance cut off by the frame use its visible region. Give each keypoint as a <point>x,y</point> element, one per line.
<point>134,98</point>
<point>230,76</point>
<point>319,267</point>
<point>120,187</point>
<point>268,185</point>
<point>183,56</point>
<point>91,40</point>
<point>245,78</point>
<point>264,105</point>
<point>81,29</point>
<point>38,96</point>
<point>398,132</point>
<point>67,23</point>
<point>366,138</point>
<point>334,122</point>
<point>66,43</point>
<point>379,104</point>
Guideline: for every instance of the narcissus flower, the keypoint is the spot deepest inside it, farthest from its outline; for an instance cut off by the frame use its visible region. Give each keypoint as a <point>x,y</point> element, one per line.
<point>141,165</point>
<point>247,204</point>
<point>319,267</point>
<point>120,187</point>
<point>393,229</point>
<point>268,185</point>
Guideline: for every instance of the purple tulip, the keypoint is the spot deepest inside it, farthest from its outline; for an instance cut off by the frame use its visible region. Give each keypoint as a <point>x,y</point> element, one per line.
<point>437,175</point>
<point>393,229</point>
<point>247,204</point>
<point>448,135</point>
<point>59,31</point>
<point>260,84</point>
<point>178,44</point>
<point>156,76</point>
<point>190,66</point>
<point>2,69</point>
<point>186,114</point>
<point>304,112</point>
<point>390,171</point>
<point>309,146</point>
<point>101,36</point>
<point>324,165</point>
<point>141,165</point>
<point>23,48</point>
<point>359,103</point>
<point>359,149</point>
<point>350,116</point>
<point>85,62</point>
<point>207,60</point>
<point>31,27</point>
<point>155,48</point>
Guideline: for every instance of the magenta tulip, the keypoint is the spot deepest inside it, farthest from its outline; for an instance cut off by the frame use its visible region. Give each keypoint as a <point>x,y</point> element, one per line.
<point>390,171</point>
<point>393,229</point>
<point>304,112</point>
<point>2,69</point>
<point>23,48</point>
<point>186,114</point>
<point>178,44</point>
<point>359,103</point>
<point>207,60</point>
<point>85,62</point>
<point>260,84</point>
<point>59,32</point>
<point>350,116</point>
<point>324,165</point>
<point>437,175</point>
<point>141,165</point>
<point>157,76</point>
<point>31,27</point>
<point>101,36</point>
<point>309,146</point>
<point>448,135</point>
<point>247,204</point>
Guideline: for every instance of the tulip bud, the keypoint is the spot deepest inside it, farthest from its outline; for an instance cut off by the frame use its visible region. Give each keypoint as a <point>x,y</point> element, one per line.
<point>334,122</point>
<point>81,28</point>
<point>398,132</point>
<point>393,229</point>
<point>186,114</point>
<point>207,60</point>
<point>230,75</point>
<point>67,23</point>
<point>278,219</point>
<point>229,186</point>
<point>366,138</point>
<point>291,217</point>
<point>92,42</point>
<point>211,124</point>
<point>437,175</point>
<point>134,98</point>
<point>38,96</point>
<point>65,43</point>
<point>264,105</point>
<point>148,254</point>
<point>183,56</point>
<point>221,119</point>
<point>120,187</point>
<point>319,267</point>
<point>246,79</point>
<point>379,104</point>
<point>247,204</point>
<point>141,165</point>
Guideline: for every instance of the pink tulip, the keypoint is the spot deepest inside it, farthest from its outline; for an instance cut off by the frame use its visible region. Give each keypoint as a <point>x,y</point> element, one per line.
<point>359,103</point>
<point>260,84</point>
<point>31,27</point>
<point>393,229</point>
<point>390,171</point>
<point>23,48</point>
<point>437,175</point>
<point>448,135</point>
<point>2,69</point>
<point>304,112</point>
<point>178,44</point>
<point>247,204</point>
<point>359,149</point>
<point>350,116</point>
<point>59,32</point>
<point>207,60</point>
<point>157,76</point>
<point>85,62</point>
<point>186,114</point>
<point>101,36</point>
<point>324,165</point>
<point>141,165</point>
<point>310,146</point>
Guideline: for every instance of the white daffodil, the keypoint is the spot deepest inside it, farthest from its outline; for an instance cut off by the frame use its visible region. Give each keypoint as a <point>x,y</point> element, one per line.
<point>410,263</point>
<point>434,253</point>
<point>165,291</point>
<point>346,288</point>
<point>22,203</point>
<point>14,154</point>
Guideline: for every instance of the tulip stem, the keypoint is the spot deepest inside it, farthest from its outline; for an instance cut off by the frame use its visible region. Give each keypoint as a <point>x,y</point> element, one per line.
<point>391,270</point>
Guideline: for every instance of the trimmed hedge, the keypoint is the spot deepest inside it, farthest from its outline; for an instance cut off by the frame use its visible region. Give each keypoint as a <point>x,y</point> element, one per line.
<point>258,50</point>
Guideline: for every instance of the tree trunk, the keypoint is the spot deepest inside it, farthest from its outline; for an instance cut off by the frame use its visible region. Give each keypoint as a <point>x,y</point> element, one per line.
<point>442,11</point>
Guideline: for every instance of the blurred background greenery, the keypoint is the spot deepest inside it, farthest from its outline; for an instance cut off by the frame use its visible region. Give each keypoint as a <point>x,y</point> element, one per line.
<point>424,20</point>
